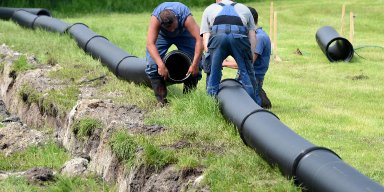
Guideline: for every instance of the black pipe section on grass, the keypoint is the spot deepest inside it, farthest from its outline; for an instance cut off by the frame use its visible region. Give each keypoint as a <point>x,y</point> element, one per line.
<point>50,24</point>
<point>24,18</point>
<point>177,63</point>
<point>122,64</point>
<point>335,47</point>
<point>118,61</point>
<point>7,12</point>
<point>82,34</point>
<point>30,20</point>
<point>315,168</point>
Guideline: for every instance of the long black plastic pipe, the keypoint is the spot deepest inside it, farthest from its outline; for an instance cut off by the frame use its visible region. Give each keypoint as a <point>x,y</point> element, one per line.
<point>50,24</point>
<point>24,18</point>
<point>315,168</point>
<point>7,12</point>
<point>335,47</point>
<point>122,64</point>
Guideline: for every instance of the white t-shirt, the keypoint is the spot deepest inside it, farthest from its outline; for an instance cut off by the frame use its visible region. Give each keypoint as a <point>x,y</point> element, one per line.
<point>211,12</point>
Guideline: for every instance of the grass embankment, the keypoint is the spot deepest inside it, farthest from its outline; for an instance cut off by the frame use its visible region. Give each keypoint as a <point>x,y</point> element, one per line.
<point>335,105</point>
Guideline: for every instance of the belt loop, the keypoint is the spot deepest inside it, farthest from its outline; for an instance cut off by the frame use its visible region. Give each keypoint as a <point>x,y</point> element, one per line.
<point>227,29</point>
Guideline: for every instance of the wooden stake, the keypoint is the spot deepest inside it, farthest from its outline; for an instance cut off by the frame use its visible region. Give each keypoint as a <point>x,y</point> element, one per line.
<point>277,58</point>
<point>342,20</point>
<point>351,27</point>
<point>271,22</point>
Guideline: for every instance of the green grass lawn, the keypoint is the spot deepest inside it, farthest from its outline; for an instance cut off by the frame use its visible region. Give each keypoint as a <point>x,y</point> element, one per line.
<point>335,105</point>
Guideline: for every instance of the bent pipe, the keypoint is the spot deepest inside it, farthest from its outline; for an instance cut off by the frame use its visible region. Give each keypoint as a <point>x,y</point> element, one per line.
<point>315,168</point>
<point>335,47</point>
<point>7,12</point>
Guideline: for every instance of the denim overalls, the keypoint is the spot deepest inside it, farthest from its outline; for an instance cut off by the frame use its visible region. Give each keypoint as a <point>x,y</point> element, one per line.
<point>229,36</point>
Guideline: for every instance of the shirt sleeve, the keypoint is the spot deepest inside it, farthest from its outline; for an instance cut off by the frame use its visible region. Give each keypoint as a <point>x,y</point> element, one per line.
<point>204,27</point>
<point>260,43</point>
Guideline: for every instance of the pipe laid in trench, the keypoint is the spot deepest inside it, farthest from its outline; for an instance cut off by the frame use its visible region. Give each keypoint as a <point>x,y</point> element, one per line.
<point>335,47</point>
<point>315,168</point>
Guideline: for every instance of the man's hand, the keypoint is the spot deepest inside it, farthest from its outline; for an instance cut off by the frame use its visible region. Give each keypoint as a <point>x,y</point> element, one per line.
<point>193,70</point>
<point>163,71</point>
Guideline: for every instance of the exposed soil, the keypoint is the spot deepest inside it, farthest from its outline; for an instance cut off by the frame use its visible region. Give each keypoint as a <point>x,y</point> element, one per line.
<point>24,125</point>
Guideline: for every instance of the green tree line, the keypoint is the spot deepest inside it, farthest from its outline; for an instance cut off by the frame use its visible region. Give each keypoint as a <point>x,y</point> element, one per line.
<point>91,6</point>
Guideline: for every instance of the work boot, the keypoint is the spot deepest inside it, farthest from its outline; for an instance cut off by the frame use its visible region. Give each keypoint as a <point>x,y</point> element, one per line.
<point>190,84</point>
<point>265,102</point>
<point>160,89</point>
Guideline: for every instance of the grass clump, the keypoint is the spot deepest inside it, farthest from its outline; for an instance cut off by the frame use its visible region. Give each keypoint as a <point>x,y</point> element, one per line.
<point>86,184</point>
<point>28,94</point>
<point>156,157</point>
<point>61,184</point>
<point>22,64</point>
<point>124,146</point>
<point>49,155</point>
<point>61,100</point>
<point>55,102</point>
<point>15,184</point>
<point>86,126</point>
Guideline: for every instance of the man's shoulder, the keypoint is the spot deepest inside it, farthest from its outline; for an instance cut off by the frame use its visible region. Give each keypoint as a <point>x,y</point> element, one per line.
<point>212,7</point>
<point>261,32</point>
<point>171,3</point>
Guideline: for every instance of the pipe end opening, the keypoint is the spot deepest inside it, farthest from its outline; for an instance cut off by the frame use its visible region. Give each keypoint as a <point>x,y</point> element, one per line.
<point>340,49</point>
<point>177,63</point>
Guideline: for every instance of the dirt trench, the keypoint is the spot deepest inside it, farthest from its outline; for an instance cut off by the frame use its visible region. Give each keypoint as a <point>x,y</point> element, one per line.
<point>103,162</point>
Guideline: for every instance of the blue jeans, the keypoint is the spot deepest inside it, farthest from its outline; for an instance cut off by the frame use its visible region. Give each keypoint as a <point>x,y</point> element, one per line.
<point>184,42</point>
<point>259,74</point>
<point>220,46</point>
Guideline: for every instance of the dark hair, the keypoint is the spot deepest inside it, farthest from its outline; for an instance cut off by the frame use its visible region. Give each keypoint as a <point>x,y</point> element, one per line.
<point>167,17</point>
<point>254,14</point>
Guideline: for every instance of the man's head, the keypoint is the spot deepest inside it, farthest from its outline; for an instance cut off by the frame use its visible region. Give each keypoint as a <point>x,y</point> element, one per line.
<point>254,14</point>
<point>168,20</point>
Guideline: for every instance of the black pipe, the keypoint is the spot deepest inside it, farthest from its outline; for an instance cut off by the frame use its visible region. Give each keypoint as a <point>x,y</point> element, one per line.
<point>50,24</point>
<point>335,47</point>
<point>108,53</point>
<point>133,69</point>
<point>82,34</point>
<point>24,18</point>
<point>117,60</point>
<point>7,12</point>
<point>315,168</point>
<point>177,63</point>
